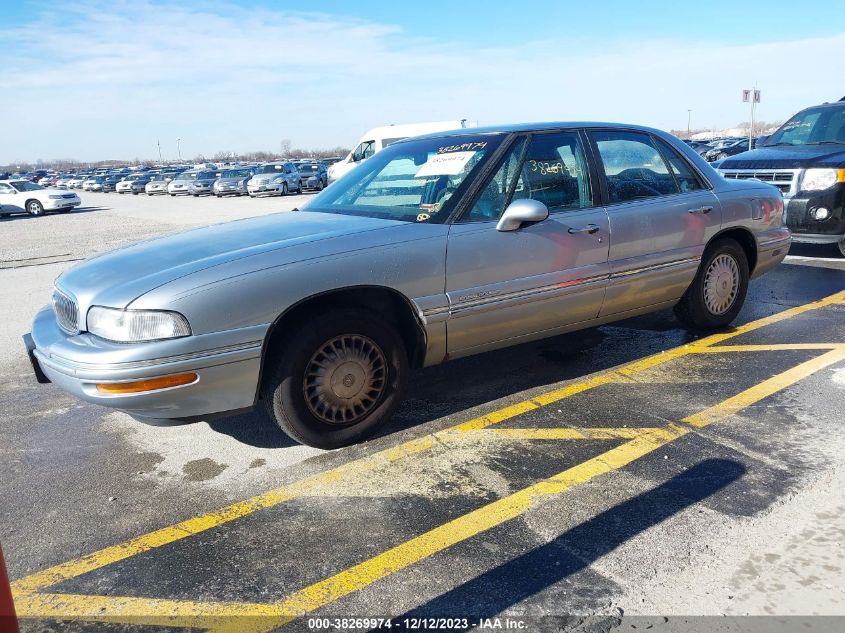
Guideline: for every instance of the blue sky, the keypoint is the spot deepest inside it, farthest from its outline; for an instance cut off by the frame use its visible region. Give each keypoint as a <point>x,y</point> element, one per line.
<point>95,80</point>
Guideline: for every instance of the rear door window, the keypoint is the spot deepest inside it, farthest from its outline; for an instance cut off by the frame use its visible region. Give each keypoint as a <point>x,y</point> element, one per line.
<point>633,167</point>
<point>687,179</point>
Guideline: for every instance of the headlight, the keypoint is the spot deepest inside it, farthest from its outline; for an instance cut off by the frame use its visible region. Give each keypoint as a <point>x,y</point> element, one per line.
<point>132,326</point>
<point>817,179</point>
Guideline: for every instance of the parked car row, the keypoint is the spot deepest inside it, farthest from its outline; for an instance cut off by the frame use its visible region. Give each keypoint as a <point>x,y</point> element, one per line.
<point>273,178</point>
<point>719,149</point>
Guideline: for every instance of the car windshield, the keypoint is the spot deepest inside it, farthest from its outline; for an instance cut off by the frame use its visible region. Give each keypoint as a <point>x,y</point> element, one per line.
<point>206,175</point>
<point>308,168</point>
<point>411,181</point>
<point>188,175</point>
<point>25,185</point>
<point>236,173</point>
<point>810,127</point>
<point>270,169</point>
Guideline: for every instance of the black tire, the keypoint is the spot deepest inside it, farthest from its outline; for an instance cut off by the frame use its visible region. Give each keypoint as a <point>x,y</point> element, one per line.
<point>33,207</point>
<point>320,185</point>
<point>693,310</point>
<point>172,195</point>
<point>841,246</point>
<point>284,189</point>
<point>219,195</point>
<point>284,388</point>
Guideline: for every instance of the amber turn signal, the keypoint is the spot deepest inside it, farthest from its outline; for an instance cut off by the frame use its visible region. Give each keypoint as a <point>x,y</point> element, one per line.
<point>151,384</point>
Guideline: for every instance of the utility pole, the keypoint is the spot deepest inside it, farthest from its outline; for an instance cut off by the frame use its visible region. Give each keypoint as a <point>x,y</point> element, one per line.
<point>179,149</point>
<point>689,118</point>
<point>158,142</point>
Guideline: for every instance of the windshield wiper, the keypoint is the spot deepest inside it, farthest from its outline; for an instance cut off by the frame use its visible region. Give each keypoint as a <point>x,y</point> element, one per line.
<point>831,143</point>
<point>773,144</point>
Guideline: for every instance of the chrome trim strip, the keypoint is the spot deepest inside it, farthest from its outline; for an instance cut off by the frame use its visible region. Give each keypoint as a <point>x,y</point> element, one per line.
<point>485,302</point>
<point>646,269</point>
<point>60,363</point>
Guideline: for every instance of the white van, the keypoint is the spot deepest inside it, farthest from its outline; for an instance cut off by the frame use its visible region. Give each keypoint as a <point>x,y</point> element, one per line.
<point>380,137</point>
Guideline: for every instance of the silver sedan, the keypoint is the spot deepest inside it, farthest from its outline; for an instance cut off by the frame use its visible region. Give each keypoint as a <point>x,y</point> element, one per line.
<point>435,248</point>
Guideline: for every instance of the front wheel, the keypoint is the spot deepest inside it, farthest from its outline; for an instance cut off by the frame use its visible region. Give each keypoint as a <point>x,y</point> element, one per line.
<point>34,207</point>
<point>284,188</point>
<point>338,381</point>
<point>718,290</point>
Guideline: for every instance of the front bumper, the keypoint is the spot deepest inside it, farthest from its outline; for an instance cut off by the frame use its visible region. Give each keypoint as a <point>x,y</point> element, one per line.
<point>63,203</point>
<point>807,229</point>
<point>227,363</point>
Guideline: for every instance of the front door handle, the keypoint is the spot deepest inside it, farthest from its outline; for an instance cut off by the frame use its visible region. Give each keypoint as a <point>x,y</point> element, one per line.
<point>701,210</point>
<point>590,228</point>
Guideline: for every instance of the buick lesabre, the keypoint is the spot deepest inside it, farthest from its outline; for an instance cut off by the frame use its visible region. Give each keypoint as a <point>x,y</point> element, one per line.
<point>436,248</point>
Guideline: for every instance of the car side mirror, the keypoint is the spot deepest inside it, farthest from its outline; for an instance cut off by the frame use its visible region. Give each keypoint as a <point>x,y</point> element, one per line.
<point>520,212</point>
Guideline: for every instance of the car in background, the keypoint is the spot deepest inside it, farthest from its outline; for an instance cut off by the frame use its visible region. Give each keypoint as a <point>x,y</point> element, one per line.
<point>95,183</point>
<point>86,186</point>
<point>110,182</point>
<point>203,183</point>
<point>805,159</point>
<point>378,138</point>
<point>133,184</point>
<point>158,183</point>
<point>312,175</point>
<point>232,182</point>
<point>24,196</point>
<point>76,181</point>
<point>731,149</point>
<point>61,182</point>
<point>179,185</point>
<point>276,178</point>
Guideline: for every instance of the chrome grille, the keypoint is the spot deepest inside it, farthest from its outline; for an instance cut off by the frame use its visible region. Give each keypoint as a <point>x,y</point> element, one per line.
<point>783,179</point>
<point>67,314</point>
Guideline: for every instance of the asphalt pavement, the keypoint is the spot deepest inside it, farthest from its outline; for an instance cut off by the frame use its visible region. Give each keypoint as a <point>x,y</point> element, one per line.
<point>634,469</point>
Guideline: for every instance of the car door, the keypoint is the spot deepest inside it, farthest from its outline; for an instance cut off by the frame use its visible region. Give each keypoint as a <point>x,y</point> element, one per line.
<point>662,214</point>
<point>10,200</point>
<point>543,277</point>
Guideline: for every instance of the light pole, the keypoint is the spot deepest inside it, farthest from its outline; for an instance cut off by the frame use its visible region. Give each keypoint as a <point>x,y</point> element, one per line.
<point>179,149</point>
<point>689,118</point>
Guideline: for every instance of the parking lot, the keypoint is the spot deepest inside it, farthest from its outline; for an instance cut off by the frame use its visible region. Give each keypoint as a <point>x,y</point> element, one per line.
<point>630,469</point>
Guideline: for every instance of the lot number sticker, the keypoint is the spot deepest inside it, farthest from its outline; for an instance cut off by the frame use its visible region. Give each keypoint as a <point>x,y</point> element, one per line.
<point>445,164</point>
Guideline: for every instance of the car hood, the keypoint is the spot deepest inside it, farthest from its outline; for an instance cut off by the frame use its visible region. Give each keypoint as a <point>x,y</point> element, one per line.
<point>788,157</point>
<point>118,277</point>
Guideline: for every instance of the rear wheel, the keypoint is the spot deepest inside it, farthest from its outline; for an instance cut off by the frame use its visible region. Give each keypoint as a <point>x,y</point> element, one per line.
<point>718,290</point>
<point>340,380</point>
<point>33,207</point>
<point>841,246</point>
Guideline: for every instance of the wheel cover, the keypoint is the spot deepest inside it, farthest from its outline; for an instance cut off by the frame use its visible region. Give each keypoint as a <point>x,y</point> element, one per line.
<point>721,284</point>
<point>345,379</point>
<point>34,207</point>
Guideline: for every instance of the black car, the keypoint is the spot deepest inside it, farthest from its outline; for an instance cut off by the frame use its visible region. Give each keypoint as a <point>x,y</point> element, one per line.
<point>805,159</point>
<point>734,148</point>
<point>110,183</point>
<point>314,175</point>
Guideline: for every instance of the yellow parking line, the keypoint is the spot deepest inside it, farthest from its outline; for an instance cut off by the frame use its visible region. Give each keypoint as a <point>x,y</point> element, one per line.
<point>147,611</point>
<point>777,347</point>
<point>600,433</point>
<point>764,389</point>
<point>163,536</point>
<point>219,616</point>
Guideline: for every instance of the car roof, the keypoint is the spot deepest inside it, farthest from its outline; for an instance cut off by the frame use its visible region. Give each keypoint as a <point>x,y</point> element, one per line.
<point>533,127</point>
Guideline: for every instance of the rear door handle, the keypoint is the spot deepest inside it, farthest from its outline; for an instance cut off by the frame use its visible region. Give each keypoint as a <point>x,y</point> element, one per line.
<point>701,210</point>
<point>590,228</point>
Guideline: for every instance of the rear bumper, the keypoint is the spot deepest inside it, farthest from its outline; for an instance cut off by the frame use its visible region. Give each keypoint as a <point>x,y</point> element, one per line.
<point>772,247</point>
<point>227,375</point>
